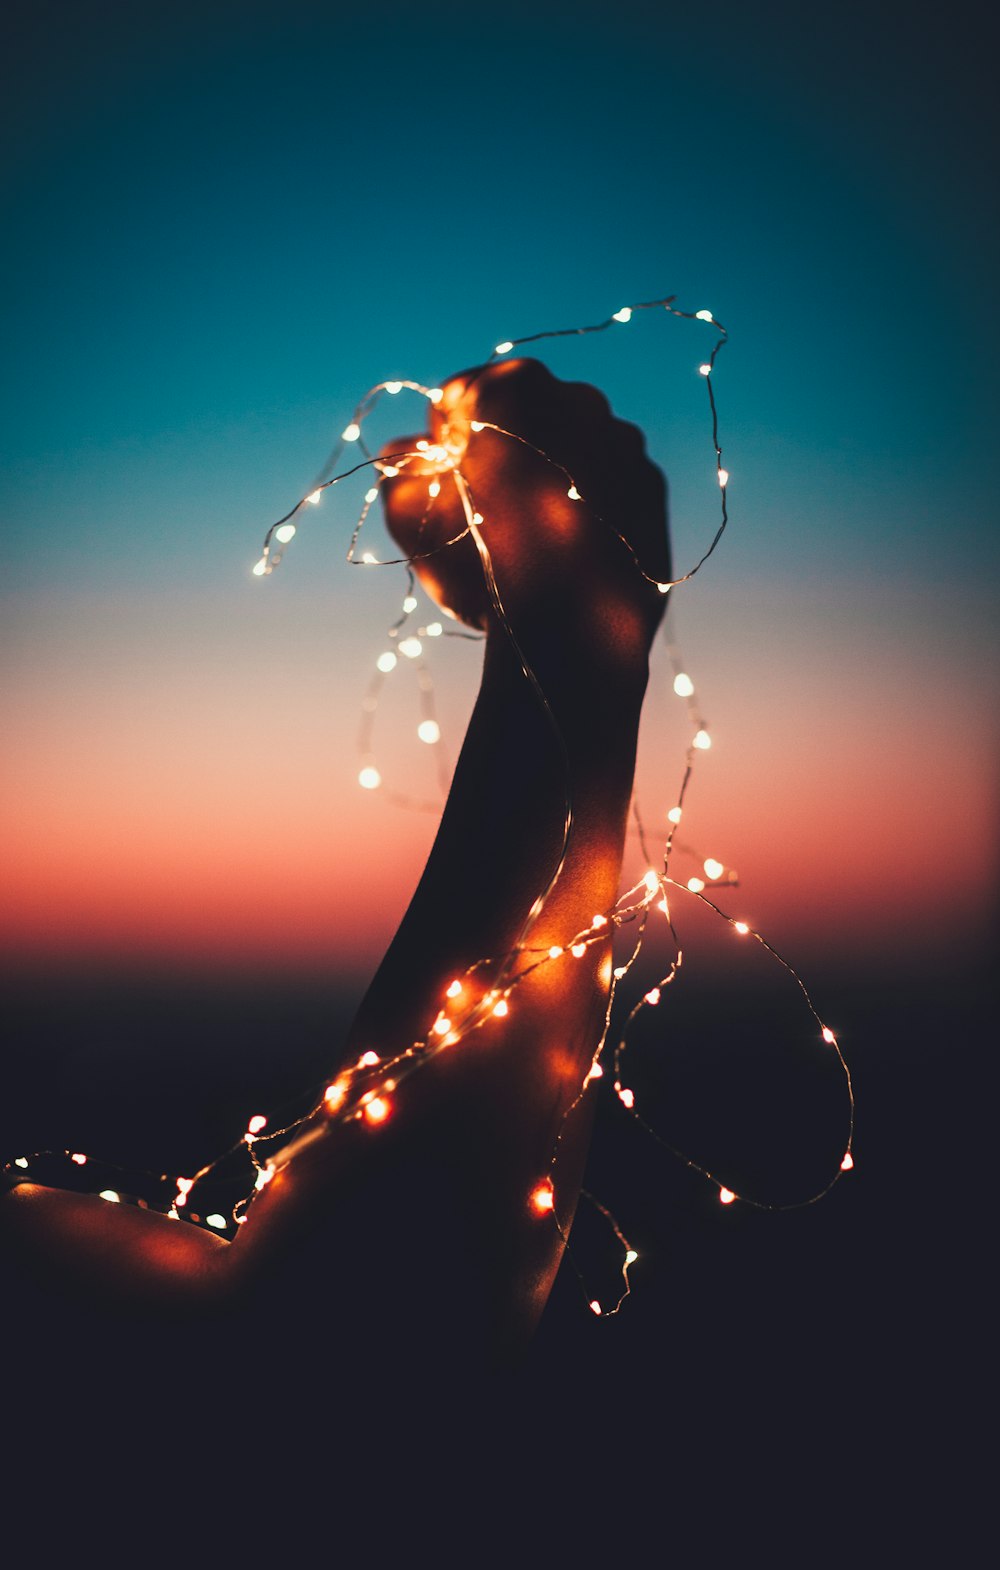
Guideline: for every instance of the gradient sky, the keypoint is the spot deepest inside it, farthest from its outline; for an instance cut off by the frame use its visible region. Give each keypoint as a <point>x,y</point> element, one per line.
<point>226,221</point>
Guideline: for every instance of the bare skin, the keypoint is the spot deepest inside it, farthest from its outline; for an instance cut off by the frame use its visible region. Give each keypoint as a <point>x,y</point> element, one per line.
<point>423,1227</point>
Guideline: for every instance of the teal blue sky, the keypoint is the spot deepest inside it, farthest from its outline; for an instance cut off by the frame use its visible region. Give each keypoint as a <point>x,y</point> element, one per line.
<point>226,221</point>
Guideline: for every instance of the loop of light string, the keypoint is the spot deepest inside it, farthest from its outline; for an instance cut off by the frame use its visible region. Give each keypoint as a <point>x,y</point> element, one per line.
<point>366,1091</point>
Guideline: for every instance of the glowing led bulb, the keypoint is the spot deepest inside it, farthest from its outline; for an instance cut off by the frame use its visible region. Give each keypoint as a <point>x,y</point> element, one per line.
<point>631,1257</point>
<point>683,685</point>
<point>594,1072</point>
<point>409,604</point>
<point>256,1123</point>
<point>21,1161</point>
<point>599,921</point>
<point>595,1307</point>
<point>314,496</point>
<point>351,432</point>
<point>334,1095</point>
<point>505,347</point>
<point>371,495</point>
<point>185,1185</point>
<point>442,1025</point>
<point>829,1037</point>
<point>434,629</point>
<point>578,950</point>
<point>264,1177</point>
<point>393,387</point>
<point>215,1220</point>
<point>435,394</point>
<point>675,814</point>
<point>726,1196</point>
<point>624,315</point>
<point>555,951</point>
<point>652,881</point>
<point>653,996</point>
<point>80,1159</point>
<point>704,370</point>
<point>455,990</point>
<point>434,489</point>
<point>429,731</point>
<point>386,662</point>
<point>664,588</point>
<point>369,1059</point>
<point>620,971</point>
<point>477,425</point>
<point>703,316</point>
<point>741,928</point>
<point>626,1097</point>
<point>501,1009</point>
<point>702,741</point>
<point>848,1162</point>
<point>260,567</point>
<point>477,517</point>
<point>285,533</point>
<point>696,885</point>
<point>369,559</point>
<point>369,778</point>
<point>713,868</point>
<point>543,1198</point>
<point>411,647</point>
<point>390,471</point>
<point>723,478</point>
<point>573,494</point>
<point>110,1195</point>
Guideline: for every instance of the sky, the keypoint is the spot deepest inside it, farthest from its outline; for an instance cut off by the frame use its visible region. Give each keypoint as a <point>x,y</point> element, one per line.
<point>226,222</point>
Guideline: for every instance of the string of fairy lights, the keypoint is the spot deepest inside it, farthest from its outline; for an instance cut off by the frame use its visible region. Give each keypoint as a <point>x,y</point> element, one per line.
<point>366,1092</point>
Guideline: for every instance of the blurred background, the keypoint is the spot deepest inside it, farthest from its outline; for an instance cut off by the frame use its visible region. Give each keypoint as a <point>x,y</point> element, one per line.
<point>225,222</point>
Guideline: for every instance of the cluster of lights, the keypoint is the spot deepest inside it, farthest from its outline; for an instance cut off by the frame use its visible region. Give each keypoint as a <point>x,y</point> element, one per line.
<point>366,1092</point>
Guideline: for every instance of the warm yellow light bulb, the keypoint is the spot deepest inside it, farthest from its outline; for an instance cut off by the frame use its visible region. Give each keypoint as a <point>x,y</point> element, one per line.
<point>256,1123</point>
<point>260,567</point>
<point>664,588</point>
<point>696,885</point>
<point>429,731</point>
<point>435,394</point>
<point>624,315</point>
<point>555,951</point>
<point>594,1072</point>
<point>829,1037</point>
<point>110,1195</point>
<point>505,347</point>
<point>501,1009</point>
<point>595,1307</point>
<point>376,1110</point>
<point>217,1221</point>
<point>702,741</point>
<point>351,432</point>
<point>370,559</point>
<point>683,685</point>
<point>578,950</point>
<point>477,425</point>
<point>284,533</point>
<point>411,647</point>
<point>631,1257</point>
<point>741,928</point>
<point>434,629</point>
<point>723,477</point>
<point>434,489</point>
<point>848,1162</point>
<point>653,996</point>
<point>390,471</point>
<point>386,662</point>
<point>705,370</point>
<point>543,1198</point>
<point>573,494</point>
<point>371,495</point>
<point>703,316</point>
<point>599,921</point>
<point>652,881</point>
<point>713,868</point>
<point>334,1095</point>
<point>369,1059</point>
<point>675,814</point>
<point>442,1025</point>
<point>79,1158</point>
<point>726,1196</point>
<point>369,777</point>
<point>315,496</point>
<point>626,1097</point>
<point>409,604</point>
<point>393,387</point>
